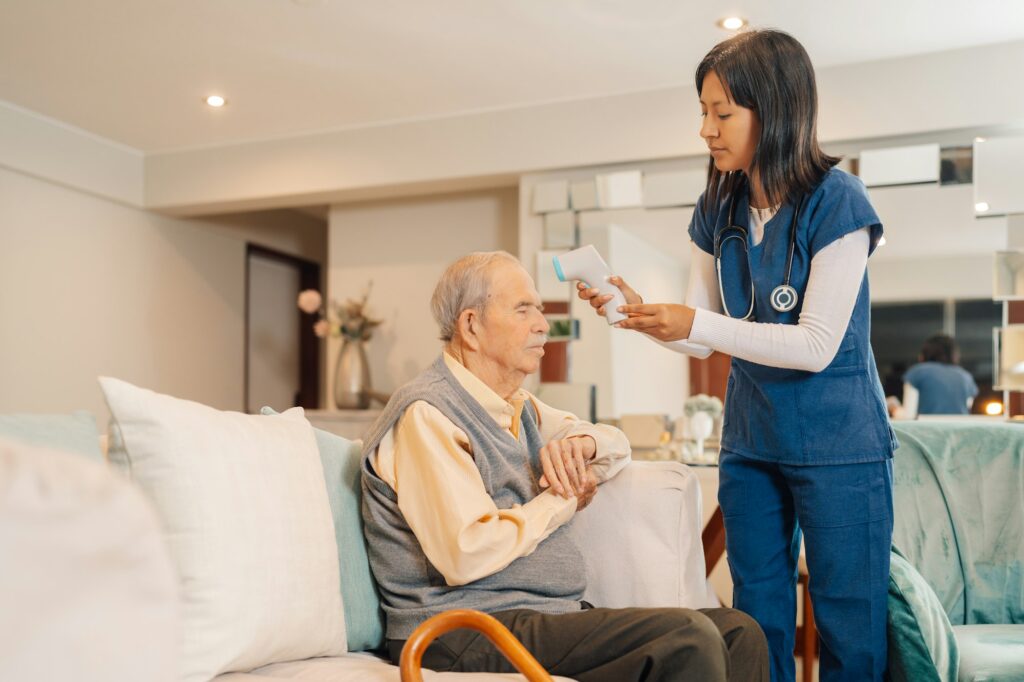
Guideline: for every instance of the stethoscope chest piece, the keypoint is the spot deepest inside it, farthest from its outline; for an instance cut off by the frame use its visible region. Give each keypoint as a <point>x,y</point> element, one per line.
<point>784,298</point>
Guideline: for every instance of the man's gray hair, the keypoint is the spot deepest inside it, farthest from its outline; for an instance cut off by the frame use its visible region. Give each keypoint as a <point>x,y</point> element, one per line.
<point>465,284</point>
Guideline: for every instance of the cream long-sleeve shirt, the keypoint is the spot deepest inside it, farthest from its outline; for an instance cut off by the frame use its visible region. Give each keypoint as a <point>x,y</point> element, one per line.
<point>428,462</point>
<point>810,345</point>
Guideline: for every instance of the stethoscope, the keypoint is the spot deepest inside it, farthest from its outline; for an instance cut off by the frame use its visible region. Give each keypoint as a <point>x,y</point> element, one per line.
<point>784,297</point>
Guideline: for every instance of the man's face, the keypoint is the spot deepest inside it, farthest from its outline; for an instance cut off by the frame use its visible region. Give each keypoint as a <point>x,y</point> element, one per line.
<point>513,329</point>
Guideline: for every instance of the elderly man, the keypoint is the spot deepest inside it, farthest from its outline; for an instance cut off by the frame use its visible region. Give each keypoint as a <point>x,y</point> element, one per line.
<point>469,485</point>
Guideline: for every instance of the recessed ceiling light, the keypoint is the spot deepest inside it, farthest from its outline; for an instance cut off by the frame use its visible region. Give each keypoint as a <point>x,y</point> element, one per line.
<point>216,101</point>
<point>981,207</point>
<point>979,139</point>
<point>732,23</point>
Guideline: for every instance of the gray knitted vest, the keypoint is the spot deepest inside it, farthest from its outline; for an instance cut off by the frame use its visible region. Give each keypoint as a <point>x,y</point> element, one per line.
<point>550,579</point>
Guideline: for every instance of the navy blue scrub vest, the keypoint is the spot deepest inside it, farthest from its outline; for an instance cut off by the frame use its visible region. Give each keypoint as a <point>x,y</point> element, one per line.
<point>788,416</point>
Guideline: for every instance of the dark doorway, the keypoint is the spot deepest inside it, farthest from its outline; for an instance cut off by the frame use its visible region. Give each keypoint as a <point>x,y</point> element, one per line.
<point>282,354</point>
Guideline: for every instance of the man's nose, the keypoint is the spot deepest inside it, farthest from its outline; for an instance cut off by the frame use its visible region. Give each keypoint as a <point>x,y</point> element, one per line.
<point>542,326</point>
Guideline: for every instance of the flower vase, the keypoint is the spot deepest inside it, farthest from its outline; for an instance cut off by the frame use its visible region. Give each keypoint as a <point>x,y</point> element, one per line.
<point>352,377</point>
<point>701,426</point>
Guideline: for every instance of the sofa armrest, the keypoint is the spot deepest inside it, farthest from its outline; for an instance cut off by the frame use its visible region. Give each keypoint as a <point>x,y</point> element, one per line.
<point>641,538</point>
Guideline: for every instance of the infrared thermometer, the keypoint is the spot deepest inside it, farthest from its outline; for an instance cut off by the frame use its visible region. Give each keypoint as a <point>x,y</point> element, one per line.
<point>586,265</point>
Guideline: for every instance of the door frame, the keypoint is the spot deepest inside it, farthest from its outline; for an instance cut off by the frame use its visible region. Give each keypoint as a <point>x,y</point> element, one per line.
<point>309,344</point>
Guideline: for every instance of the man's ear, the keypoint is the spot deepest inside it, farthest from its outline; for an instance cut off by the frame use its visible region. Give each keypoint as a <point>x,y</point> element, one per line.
<point>469,328</point>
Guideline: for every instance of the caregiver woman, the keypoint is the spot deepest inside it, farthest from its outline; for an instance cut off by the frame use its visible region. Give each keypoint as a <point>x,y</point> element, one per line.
<point>806,443</point>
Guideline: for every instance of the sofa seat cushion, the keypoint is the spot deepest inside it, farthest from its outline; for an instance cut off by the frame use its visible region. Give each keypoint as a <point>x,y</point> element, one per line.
<point>993,653</point>
<point>356,667</point>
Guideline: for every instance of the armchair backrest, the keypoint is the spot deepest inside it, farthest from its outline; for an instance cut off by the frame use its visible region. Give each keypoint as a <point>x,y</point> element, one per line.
<point>959,515</point>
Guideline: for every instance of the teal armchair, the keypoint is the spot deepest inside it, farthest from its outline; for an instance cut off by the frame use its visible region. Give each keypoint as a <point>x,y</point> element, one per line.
<point>958,499</point>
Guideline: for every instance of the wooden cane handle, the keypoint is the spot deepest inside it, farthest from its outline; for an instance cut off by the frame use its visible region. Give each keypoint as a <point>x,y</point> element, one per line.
<point>429,630</point>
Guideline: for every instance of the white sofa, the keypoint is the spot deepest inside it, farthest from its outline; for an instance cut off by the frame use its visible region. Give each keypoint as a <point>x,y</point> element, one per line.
<point>641,538</point>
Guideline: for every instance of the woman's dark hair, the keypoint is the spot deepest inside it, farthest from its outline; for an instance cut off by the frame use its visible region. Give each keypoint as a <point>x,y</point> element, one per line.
<point>939,348</point>
<point>769,72</point>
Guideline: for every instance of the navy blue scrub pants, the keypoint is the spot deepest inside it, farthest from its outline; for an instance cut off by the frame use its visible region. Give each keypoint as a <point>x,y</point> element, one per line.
<point>845,513</point>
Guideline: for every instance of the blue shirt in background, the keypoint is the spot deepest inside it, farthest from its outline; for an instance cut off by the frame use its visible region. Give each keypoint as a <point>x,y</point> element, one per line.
<point>943,388</point>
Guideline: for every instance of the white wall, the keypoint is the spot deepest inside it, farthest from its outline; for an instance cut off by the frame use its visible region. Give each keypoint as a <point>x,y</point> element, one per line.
<point>887,98</point>
<point>89,286</point>
<point>47,148</point>
<point>403,246</point>
<point>935,248</point>
<point>652,253</point>
<point>633,375</point>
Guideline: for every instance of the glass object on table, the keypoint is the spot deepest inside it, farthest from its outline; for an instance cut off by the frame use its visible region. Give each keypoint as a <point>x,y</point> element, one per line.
<point>352,387</point>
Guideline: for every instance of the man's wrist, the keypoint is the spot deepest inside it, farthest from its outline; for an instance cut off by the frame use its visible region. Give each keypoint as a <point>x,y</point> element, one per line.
<point>589,457</point>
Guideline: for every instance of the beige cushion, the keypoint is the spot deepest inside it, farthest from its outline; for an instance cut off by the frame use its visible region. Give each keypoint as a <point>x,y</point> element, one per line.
<point>641,539</point>
<point>244,505</point>
<point>88,589</point>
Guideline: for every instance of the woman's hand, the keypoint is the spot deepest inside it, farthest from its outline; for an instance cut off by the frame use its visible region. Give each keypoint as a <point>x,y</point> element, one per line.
<point>663,321</point>
<point>597,302</point>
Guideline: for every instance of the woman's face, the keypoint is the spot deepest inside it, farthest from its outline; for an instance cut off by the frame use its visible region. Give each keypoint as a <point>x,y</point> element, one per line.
<point>731,131</point>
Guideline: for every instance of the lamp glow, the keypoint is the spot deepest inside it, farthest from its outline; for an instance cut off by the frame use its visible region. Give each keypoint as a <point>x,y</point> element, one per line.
<point>993,408</point>
<point>981,207</point>
<point>732,23</point>
<point>881,242</point>
<point>216,101</point>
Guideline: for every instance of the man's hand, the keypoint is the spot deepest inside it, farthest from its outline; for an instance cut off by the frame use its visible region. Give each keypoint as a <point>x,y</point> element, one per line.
<point>589,490</point>
<point>565,464</point>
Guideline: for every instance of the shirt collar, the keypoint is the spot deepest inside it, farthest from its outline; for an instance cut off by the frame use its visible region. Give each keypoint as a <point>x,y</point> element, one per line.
<point>505,412</point>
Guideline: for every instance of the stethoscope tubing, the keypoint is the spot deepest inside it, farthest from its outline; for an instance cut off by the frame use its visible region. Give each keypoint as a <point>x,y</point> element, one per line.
<point>783,297</point>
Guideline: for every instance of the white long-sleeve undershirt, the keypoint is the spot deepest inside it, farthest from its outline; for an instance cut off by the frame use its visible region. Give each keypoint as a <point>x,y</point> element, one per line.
<point>833,285</point>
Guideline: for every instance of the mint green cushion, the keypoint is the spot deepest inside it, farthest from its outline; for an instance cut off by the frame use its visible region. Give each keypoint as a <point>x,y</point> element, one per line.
<point>75,432</point>
<point>341,459</point>
<point>957,499</point>
<point>991,652</point>
<point>922,647</point>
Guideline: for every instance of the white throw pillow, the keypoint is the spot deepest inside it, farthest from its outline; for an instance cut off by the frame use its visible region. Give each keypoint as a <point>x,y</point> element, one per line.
<point>244,505</point>
<point>87,589</point>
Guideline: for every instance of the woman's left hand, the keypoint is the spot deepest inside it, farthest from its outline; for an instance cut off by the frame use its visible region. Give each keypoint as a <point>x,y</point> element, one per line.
<point>663,321</point>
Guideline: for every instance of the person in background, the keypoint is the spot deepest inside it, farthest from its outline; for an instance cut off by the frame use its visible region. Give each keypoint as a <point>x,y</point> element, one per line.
<point>937,384</point>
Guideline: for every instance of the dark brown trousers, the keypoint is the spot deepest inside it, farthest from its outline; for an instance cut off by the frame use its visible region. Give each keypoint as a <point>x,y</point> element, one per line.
<point>615,645</point>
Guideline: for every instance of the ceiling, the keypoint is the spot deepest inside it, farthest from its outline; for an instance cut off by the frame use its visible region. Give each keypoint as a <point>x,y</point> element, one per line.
<point>137,72</point>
